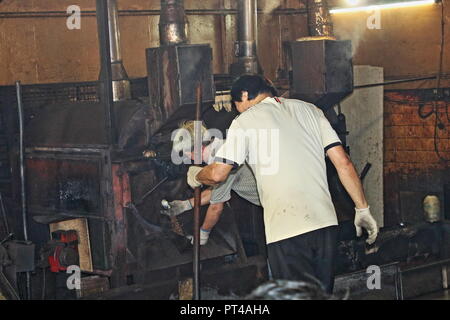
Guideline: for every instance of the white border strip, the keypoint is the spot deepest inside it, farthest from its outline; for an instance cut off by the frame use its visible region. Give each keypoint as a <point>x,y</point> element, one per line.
<point>384,6</point>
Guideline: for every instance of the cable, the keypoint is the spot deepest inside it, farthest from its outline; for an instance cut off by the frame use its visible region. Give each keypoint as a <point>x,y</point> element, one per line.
<point>22,177</point>
<point>438,123</point>
<point>421,114</point>
<point>447,112</point>
<point>441,53</point>
<point>441,56</point>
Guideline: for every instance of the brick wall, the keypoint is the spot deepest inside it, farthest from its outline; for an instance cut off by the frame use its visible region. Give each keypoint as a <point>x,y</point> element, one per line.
<point>412,168</point>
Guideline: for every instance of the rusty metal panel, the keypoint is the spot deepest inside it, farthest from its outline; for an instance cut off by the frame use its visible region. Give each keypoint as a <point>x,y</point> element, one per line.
<point>72,55</point>
<point>84,124</point>
<point>404,50</point>
<point>144,31</point>
<point>356,284</point>
<point>52,5</point>
<point>18,57</point>
<point>268,44</point>
<point>174,72</point>
<point>195,4</point>
<point>322,71</point>
<point>205,29</point>
<point>69,185</point>
<point>121,190</point>
<point>28,59</point>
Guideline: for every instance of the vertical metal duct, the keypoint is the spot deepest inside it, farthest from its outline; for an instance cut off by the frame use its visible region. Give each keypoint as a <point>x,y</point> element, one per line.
<point>120,80</point>
<point>172,23</point>
<point>247,39</point>
<point>319,19</point>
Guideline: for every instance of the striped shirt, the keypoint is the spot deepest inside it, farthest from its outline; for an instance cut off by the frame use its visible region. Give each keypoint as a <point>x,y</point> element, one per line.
<point>241,180</point>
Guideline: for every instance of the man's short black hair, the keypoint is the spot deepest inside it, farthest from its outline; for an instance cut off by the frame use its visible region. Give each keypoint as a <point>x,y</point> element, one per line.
<point>254,85</point>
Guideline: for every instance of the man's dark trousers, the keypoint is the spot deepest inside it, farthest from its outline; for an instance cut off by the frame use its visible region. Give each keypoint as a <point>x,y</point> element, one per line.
<point>311,253</point>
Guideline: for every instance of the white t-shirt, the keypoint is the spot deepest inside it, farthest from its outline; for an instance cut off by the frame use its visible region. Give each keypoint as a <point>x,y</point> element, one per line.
<point>284,142</point>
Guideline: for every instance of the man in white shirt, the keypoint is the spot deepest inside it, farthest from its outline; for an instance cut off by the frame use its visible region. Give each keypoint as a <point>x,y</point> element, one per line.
<point>285,141</point>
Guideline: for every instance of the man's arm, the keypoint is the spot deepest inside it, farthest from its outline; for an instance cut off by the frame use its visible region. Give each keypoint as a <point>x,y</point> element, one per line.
<point>214,173</point>
<point>351,182</point>
<point>232,153</point>
<point>348,175</point>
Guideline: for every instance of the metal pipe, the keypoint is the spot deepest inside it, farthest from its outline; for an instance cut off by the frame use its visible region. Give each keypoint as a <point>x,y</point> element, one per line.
<point>365,171</point>
<point>8,237</point>
<point>107,95</point>
<point>120,80</point>
<point>9,288</point>
<point>393,82</point>
<point>319,18</point>
<point>197,193</point>
<point>22,176</point>
<point>152,189</point>
<point>172,23</point>
<point>247,39</point>
<point>22,161</point>
<point>114,33</point>
<point>247,28</point>
<point>137,13</point>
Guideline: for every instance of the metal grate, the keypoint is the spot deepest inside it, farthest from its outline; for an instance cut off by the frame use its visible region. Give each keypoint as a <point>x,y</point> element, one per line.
<point>36,95</point>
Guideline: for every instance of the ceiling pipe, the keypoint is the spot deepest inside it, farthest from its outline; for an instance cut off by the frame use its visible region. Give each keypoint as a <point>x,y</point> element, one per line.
<point>319,19</point>
<point>247,39</point>
<point>120,80</point>
<point>172,23</point>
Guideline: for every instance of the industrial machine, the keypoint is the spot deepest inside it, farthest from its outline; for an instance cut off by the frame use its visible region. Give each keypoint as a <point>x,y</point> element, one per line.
<point>98,158</point>
<point>109,164</point>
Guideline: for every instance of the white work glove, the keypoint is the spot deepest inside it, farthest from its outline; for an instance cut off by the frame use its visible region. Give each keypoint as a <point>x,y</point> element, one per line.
<point>204,236</point>
<point>192,176</point>
<point>363,219</point>
<point>176,208</point>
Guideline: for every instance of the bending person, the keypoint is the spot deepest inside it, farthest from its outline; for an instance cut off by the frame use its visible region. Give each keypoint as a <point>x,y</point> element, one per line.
<point>241,180</point>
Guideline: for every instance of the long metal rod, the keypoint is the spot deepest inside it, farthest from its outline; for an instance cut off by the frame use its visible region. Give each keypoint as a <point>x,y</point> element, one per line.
<point>393,82</point>
<point>114,32</point>
<point>106,74</point>
<point>153,189</point>
<point>22,177</point>
<point>91,13</point>
<point>197,194</point>
<point>8,286</point>
<point>22,160</point>
<point>121,83</point>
